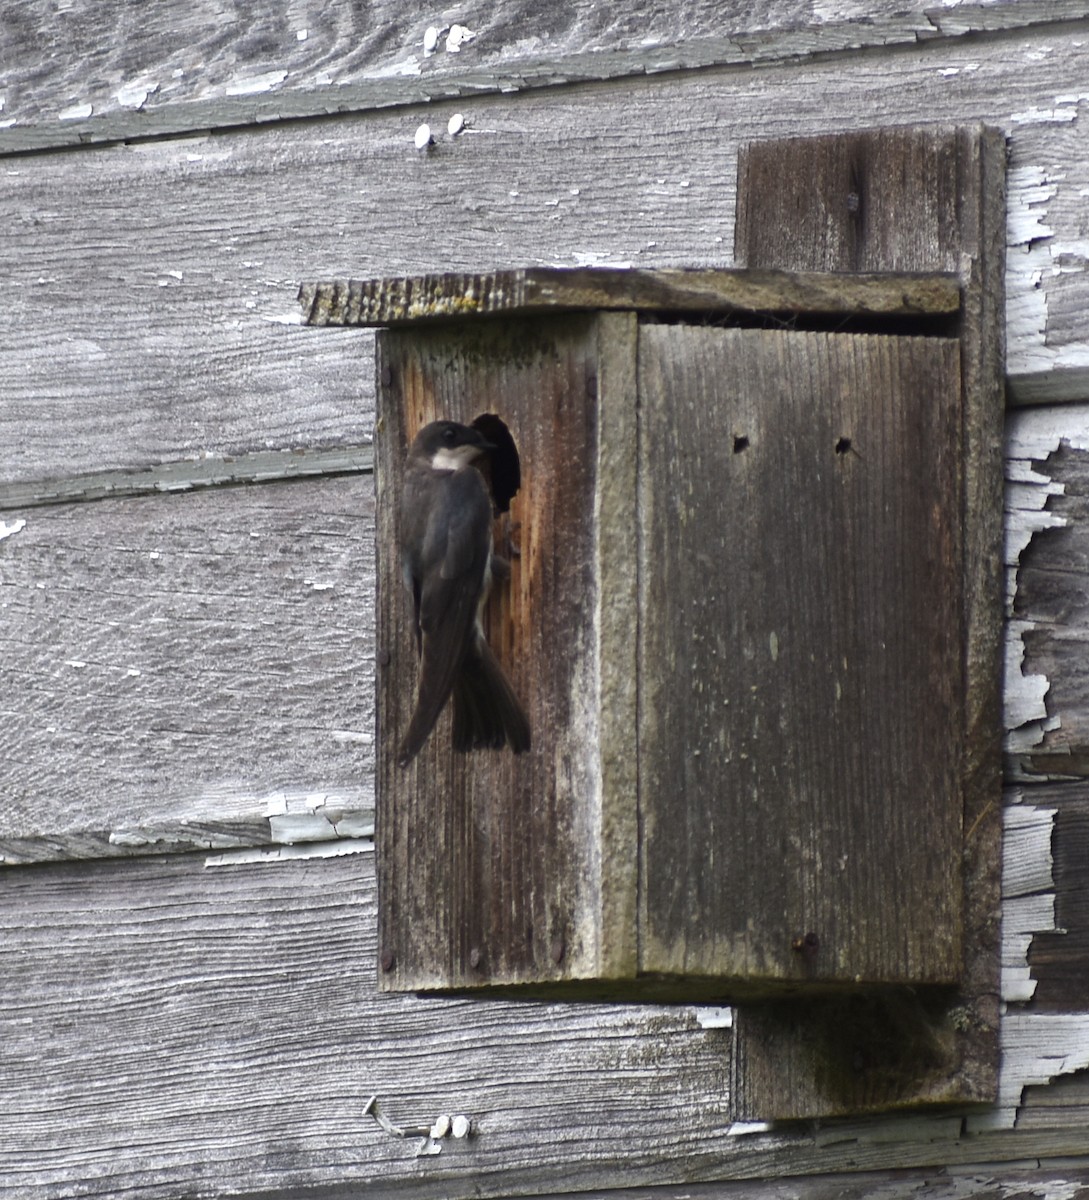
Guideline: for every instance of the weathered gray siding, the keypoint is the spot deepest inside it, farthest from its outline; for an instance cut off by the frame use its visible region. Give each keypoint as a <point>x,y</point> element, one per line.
<point>187,670</point>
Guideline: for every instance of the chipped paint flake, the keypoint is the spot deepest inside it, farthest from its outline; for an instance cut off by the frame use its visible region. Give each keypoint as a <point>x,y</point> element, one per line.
<point>290,828</point>
<point>458,36</point>
<point>711,1017</point>
<point>77,112</point>
<point>745,1128</point>
<point>134,95</point>
<point>256,84</point>
<point>277,854</point>
<point>16,526</point>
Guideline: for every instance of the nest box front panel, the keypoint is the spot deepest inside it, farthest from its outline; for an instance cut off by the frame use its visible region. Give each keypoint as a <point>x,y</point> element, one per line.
<point>801,657</point>
<point>489,862</point>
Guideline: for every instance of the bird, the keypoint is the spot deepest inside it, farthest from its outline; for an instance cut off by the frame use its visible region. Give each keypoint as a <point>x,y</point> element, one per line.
<point>448,566</point>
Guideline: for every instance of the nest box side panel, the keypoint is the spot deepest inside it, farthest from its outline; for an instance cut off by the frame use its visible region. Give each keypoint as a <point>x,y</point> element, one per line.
<point>489,864</point>
<point>801,657</point>
<point>924,199</point>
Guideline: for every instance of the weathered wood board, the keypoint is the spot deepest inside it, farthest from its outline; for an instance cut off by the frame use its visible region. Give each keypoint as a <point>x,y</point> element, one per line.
<point>165,1012</point>
<point>907,200</point>
<point>213,64</point>
<point>496,868</point>
<point>164,340</point>
<point>802,634</point>
<point>81,799</point>
<point>188,670</point>
<point>709,293</point>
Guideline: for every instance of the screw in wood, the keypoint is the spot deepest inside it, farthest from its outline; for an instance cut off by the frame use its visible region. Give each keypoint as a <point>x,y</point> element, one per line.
<point>474,957</point>
<point>388,960</point>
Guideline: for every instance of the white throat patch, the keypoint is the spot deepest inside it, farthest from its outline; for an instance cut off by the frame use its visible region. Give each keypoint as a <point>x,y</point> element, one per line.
<point>455,458</point>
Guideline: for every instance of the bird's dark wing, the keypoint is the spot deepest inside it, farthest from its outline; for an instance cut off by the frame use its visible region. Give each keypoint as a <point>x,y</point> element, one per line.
<point>448,584</point>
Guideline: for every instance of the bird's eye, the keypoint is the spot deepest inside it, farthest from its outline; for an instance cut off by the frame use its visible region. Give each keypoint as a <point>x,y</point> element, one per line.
<point>449,435</point>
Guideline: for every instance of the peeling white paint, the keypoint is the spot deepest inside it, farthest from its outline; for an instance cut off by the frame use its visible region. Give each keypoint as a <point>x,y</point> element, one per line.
<point>744,1128</point>
<point>458,37</point>
<point>710,1017</point>
<point>407,66</point>
<point>16,526</point>
<point>290,828</point>
<point>292,317</point>
<point>1038,116</point>
<point>278,854</point>
<point>77,112</point>
<point>1028,892</point>
<point>1036,254</point>
<point>353,735</point>
<point>256,84</point>
<point>134,95</point>
<point>1036,1047</point>
<point>1032,435</point>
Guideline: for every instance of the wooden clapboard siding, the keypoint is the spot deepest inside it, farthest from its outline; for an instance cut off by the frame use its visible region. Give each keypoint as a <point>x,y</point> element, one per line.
<point>162,338</point>
<point>71,801</point>
<point>169,1028</point>
<point>219,1010</point>
<point>188,670</point>
<point>233,62</point>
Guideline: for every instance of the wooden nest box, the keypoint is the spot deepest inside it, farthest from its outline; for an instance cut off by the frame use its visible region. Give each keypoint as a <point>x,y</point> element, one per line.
<point>752,611</point>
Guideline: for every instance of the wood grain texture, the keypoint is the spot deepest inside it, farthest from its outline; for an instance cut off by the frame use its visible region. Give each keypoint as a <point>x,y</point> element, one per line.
<point>400,301</point>
<point>188,475</point>
<point>491,864</point>
<point>1003,1183</point>
<point>85,826</point>
<point>1059,958</point>
<point>911,199</point>
<point>226,63</point>
<point>178,670</point>
<point>1051,598</point>
<point>168,1027</point>
<point>162,337</point>
<point>801,648</point>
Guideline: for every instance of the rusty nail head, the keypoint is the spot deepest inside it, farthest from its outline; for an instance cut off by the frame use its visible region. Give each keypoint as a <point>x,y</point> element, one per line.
<point>388,960</point>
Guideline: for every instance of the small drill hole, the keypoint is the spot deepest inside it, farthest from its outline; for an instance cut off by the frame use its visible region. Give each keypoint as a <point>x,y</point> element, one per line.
<point>843,445</point>
<point>741,442</point>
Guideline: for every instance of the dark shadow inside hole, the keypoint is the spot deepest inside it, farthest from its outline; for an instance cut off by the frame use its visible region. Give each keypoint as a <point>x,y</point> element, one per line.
<point>843,445</point>
<point>501,467</point>
<point>741,442</point>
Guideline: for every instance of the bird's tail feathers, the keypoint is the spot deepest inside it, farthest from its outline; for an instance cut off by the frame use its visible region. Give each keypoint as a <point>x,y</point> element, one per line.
<point>487,713</point>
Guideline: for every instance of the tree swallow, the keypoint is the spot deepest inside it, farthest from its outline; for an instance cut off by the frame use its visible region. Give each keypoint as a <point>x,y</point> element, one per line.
<point>447,563</point>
